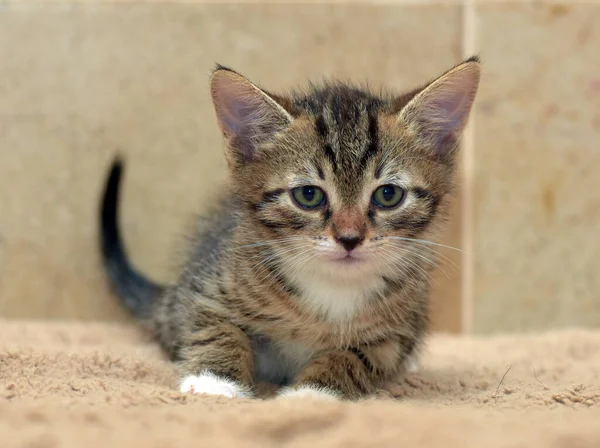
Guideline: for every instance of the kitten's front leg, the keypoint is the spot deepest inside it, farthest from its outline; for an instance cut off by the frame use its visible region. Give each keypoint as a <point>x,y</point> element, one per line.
<point>350,374</point>
<point>335,375</point>
<point>217,360</point>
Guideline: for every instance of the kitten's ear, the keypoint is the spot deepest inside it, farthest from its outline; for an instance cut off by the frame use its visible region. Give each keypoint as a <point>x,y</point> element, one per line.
<point>247,116</point>
<point>441,110</point>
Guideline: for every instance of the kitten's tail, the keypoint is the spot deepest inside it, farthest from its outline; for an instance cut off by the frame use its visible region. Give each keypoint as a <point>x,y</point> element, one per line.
<point>135,291</point>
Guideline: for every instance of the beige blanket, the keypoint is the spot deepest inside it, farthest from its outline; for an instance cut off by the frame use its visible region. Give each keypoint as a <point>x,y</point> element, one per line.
<point>80,385</point>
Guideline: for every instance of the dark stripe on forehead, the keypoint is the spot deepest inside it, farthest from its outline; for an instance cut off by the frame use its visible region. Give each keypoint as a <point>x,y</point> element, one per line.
<point>379,169</point>
<point>322,131</point>
<point>335,108</point>
<point>321,126</point>
<point>373,145</point>
<point>330,155</point>
<point>320,172</point>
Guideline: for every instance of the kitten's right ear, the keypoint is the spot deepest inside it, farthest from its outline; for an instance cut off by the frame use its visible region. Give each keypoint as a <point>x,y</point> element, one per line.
<point>247,116</point>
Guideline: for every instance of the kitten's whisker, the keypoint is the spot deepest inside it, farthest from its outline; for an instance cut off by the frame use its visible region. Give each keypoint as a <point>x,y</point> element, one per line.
<point>235,249</point>
<point>397,261</point>
<point>417,266</point>
<point>430,278</point>
<point>427,250</point>
<point>435,252</point>
<point>405,264</point>
<point>413,252</point>
<point>431,252</point>
<point>277,254</point>
<point>416,240</point>
<point>294,260</point>
<point>276,240</point>
<point>301,259</point>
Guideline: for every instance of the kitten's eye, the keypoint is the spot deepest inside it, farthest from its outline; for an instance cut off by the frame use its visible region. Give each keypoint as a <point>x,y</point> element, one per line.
<point>309,196</point>
<point>388,196</point>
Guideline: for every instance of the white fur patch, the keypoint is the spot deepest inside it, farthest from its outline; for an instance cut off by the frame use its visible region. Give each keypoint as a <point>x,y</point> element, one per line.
<point>319,393</point>
<point>411,364</point>
<point>338,300</point>
<point>208,383</point>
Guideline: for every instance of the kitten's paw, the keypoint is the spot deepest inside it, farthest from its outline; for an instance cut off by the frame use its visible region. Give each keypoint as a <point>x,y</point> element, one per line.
<point>411,364</point>
<point>208,383</point>
<point>319,393</point>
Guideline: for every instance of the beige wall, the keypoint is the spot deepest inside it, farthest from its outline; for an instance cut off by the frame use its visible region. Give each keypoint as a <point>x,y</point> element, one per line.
<point>79,82</point>
<point>537,162</point>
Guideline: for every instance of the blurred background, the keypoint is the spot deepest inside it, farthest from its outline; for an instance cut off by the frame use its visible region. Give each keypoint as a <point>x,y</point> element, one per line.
<point>83,81</point>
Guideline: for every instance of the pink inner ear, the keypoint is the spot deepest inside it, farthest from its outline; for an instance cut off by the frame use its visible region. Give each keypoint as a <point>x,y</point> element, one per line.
<point>445,106</point>
<point>234,105</point>
<point>247,116</point>
<point>453,111</point>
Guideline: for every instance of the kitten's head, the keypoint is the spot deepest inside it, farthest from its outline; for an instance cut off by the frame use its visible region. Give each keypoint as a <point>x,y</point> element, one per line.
<point>339,180</point>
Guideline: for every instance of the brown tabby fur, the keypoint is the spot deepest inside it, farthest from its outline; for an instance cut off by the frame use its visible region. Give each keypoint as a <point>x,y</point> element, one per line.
<point>238,307</point>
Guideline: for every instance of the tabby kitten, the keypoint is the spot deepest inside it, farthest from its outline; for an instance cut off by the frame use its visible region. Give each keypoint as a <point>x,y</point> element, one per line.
<point>313,272</point>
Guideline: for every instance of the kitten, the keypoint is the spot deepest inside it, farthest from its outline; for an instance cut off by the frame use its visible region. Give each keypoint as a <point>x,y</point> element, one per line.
<point>313,271</point>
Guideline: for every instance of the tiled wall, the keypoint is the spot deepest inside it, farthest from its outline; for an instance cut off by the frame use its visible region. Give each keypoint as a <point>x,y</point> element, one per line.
<point>81,81</point>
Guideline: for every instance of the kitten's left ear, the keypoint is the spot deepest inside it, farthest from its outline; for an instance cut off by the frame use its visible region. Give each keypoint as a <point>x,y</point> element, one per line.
<point>247,115</point>
<point>441,110</point>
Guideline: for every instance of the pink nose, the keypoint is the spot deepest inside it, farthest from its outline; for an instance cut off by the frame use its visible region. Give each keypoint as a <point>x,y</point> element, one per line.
<point>348,229</point>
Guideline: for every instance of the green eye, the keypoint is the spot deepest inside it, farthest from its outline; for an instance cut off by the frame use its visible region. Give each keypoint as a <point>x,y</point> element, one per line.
<point>309,196</point>
<point>388,196</point>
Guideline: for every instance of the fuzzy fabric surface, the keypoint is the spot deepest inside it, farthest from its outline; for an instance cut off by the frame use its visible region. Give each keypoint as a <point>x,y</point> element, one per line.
<point>98,385</point>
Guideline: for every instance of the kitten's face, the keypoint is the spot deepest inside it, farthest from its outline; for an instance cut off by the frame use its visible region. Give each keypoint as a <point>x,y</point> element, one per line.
<point>334,203</point>
<point>341,182</point>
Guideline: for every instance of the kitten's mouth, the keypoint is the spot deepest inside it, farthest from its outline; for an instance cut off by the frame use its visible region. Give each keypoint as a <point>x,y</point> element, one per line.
<point>348,259</point>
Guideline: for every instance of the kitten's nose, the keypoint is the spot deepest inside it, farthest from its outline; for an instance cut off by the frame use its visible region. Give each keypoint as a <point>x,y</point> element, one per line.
<point>348,229</point>
<point>349,242</point>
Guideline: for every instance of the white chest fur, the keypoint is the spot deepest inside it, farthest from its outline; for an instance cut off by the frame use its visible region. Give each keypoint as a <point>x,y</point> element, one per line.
<point>339,300</point>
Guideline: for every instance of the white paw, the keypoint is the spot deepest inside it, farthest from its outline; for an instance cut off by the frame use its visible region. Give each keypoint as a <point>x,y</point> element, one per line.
<point>319,393</point>
<point>411,365</point>
<point>207,383</point>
